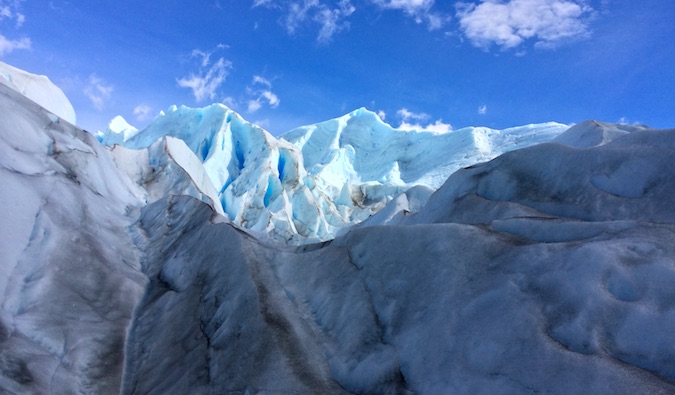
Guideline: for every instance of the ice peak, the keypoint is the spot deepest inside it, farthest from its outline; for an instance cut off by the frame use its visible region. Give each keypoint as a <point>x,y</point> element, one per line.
<point>317,179</point>
<point>117,132</point>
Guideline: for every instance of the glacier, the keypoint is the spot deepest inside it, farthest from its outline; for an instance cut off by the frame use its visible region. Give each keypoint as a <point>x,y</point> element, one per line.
<point>314,181</point>
<point>39,89</point>
<point>545,268</point>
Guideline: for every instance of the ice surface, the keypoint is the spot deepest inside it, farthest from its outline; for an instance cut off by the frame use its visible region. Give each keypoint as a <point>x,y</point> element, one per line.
<point>548,269</point>
<point>69,274</point>
<point>630,178</point>
<point>39,89</point>
<point>498,297</point>
<point>118,132</point>
<point>317,180</point>
<point>167,167</point>
<point>593,133</point>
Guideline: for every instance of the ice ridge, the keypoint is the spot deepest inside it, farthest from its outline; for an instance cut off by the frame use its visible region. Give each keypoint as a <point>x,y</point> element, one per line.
<point>316,180</point>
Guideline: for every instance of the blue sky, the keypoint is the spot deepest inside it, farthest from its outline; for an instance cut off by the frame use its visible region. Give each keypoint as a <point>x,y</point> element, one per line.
<point>286,63</point>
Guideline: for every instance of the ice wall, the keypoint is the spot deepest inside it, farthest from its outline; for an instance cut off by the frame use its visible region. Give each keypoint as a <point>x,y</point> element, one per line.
<point>316,180</point>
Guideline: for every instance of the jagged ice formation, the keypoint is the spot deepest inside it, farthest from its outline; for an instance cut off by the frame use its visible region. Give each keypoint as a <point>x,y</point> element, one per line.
<point>547,269</point>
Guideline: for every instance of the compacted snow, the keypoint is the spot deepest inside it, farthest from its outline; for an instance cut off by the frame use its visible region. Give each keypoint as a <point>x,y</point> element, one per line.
<point>548,269</point>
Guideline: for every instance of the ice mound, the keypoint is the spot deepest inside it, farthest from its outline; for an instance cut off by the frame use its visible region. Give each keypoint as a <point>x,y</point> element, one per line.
<point>39,89</point>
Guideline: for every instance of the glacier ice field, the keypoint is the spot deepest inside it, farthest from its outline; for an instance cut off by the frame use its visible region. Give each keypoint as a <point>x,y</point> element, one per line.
<point>202,255</point>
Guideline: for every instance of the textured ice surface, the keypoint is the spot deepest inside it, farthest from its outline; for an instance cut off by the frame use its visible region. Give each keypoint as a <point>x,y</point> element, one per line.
<point>509,280</point>
<point>319,179</point>
<point>593,133</point>
<point>547,270</point>
<point>69,271</point>
<point>167,167</point>
<point>39,89</point>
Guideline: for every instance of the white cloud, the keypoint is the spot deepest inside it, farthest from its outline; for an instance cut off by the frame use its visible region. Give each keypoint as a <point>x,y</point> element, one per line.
<point>254,105</point>
<point>258,3</point>
<point>230,102</point>
<point>330,18</point>
<point>382,114</point>
<point>268,97</point>
<point>261,96</point>
<point>436,127</point>
<point>482,110</point>
<point>20,19</point>
<point>413,121</point>
<point>420,10</point>
<point>11,10</point>
<point>407,115</point>
<point>411,7</point>
<point>7,46</point>
<point>626,121</point>
<point>98,92</point>
<point>297,14</point>
<point>142,112</point>
<point>271,98</point>
<point>261,81</point>
<point>209,77</point>
<point>509,24</point>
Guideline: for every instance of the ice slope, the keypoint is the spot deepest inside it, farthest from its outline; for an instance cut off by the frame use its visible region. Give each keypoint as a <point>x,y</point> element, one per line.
<point>69,271</point>
<point>593,133</point>
<point>166,167</point>
<point>548,269</point>
<point>607,181</point>
<point>317,180</point>
<point>361,147</point>
<point>520,275</point>
<point>39,89</point>
<point>259,179</point>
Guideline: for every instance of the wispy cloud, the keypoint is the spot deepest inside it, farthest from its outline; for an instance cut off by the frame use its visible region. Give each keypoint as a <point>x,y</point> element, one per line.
<point>261,81</point>
<point>98,91</point>
<point>258,3</point>
<point>7,45</point>
<point>626,121</point>
<point>416,121</point>
<point>331,19</point>
<point>209,75</point>
<point>509,24</point>
<point>261,93</point>
<point>437,127</point>
<point>407,115</point>
<point>11,11</point>
<point>420,10</point>
<point>230,102</point>
<point>142,112</point>
<point>482,110</point>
